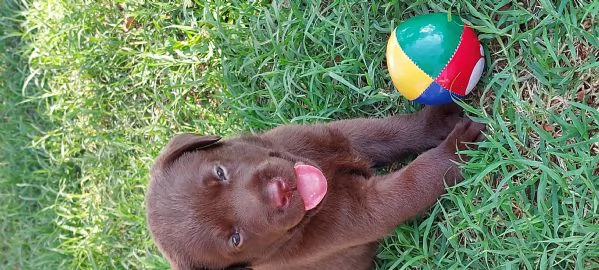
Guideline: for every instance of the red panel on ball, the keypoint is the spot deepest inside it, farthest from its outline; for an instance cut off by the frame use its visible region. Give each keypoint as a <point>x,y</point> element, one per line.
<point>456,74</point>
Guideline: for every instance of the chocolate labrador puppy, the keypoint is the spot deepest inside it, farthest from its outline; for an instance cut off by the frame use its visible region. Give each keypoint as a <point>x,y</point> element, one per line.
<point>300,196</point>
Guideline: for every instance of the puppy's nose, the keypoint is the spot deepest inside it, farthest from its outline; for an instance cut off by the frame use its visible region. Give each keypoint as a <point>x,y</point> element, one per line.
<point>278,193</point>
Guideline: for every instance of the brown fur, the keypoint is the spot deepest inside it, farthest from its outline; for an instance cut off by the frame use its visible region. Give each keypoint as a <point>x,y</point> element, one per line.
<point>192,214</point>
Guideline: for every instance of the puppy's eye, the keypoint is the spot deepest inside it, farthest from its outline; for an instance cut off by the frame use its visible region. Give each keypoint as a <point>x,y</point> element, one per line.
<point>236,239</point>
<point>220,173</point>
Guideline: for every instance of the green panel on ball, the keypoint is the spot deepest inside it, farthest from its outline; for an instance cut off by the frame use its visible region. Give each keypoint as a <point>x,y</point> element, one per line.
<point>430,40</point>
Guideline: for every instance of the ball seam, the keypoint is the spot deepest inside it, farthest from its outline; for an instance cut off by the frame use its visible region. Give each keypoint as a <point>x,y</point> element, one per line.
<point>414,63</point>
<point>454,52</point>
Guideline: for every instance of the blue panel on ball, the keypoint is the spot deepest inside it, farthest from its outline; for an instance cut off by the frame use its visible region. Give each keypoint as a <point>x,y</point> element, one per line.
<point>435,94</point>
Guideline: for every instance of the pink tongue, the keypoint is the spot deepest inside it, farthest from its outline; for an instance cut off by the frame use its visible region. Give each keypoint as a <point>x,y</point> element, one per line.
<point>311,185</point>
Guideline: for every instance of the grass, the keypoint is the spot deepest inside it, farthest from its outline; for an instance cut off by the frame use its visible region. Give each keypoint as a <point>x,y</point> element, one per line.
<point>91,90</point>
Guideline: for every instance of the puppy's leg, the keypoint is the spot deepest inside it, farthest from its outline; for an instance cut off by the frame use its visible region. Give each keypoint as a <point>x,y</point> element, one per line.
<point>400,196</point>
<point>392,199</point>
<point>385,140</point>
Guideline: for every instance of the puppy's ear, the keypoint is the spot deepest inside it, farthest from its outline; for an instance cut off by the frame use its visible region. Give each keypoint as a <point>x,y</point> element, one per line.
<point>181,144</point>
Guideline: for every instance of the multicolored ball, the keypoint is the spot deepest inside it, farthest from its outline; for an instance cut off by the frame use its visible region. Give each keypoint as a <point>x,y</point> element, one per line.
<point>433,57</point>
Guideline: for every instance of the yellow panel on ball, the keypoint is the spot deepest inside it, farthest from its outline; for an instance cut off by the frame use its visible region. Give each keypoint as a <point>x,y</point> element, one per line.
<point>407,78</point>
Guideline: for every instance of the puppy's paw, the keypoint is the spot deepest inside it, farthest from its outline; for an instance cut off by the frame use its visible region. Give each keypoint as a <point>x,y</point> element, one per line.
<point>440,120</point>
<point>463,135</point>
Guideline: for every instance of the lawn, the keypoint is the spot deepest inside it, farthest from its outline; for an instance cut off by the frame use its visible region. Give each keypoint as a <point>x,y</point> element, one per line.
<point>91,90</point>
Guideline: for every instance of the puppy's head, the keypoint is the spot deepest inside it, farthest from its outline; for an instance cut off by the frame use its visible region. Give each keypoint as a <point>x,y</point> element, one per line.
<point>215,204</point>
